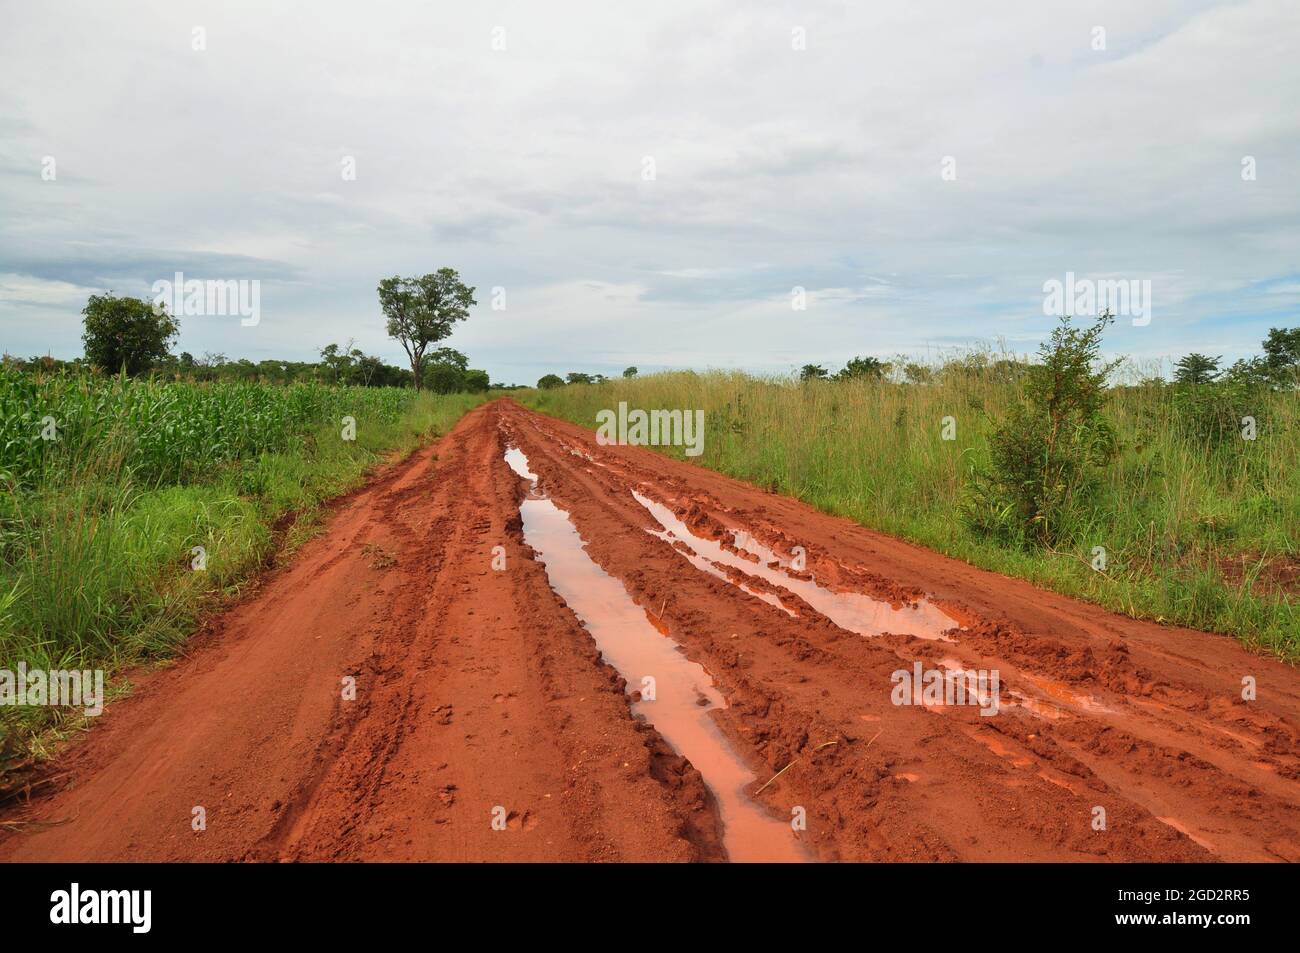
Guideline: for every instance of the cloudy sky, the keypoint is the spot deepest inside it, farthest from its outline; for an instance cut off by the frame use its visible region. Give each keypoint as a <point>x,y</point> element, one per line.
<point>793,144</point>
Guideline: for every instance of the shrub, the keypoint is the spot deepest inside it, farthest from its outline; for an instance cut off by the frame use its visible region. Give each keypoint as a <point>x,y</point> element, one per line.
<point>1043,455</point>
<point>1213,412</point>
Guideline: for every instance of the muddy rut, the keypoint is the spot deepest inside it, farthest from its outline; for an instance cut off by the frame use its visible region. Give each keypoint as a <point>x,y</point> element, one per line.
<point>519,645</point>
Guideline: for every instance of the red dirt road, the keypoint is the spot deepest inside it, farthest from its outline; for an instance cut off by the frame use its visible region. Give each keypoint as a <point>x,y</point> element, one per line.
<point>481,697</point>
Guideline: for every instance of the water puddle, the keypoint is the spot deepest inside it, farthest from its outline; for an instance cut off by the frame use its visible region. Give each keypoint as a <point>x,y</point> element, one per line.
<point>516,460</point>
<point>852,611</point>
<point>1035,706</point>
<point>1063,694</point>
<point>977,689</point>
<point>683,690</point>
<point>703,564</point>
<point>1000,748</point>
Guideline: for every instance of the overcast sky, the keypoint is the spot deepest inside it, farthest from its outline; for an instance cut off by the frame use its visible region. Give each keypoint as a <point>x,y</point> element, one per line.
<point>774,167</point>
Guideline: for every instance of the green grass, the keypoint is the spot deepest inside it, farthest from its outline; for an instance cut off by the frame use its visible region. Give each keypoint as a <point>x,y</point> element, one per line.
<point>1171,512</point>
<point>162,431</point>
<point>97,529</point>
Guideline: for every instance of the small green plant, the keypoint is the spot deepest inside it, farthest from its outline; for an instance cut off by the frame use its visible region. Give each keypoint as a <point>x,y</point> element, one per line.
<point>1044,455</point>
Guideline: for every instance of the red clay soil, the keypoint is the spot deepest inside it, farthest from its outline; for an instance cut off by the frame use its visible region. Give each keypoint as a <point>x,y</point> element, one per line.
<point>478,691</point>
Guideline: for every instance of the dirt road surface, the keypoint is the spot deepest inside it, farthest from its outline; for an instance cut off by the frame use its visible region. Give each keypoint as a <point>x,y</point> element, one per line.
<point>536,638</point>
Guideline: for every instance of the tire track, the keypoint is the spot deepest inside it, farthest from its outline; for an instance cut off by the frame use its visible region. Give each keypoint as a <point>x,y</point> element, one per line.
<point>1208,776</point>
<point>481,697</point>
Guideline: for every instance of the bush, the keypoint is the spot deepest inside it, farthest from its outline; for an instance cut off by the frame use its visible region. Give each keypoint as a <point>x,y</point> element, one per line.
<point>1213,412</point>
<point>1043,456</point>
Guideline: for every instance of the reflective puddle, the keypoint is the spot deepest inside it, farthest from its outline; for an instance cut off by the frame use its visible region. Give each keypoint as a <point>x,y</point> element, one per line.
<point>516,460</point>
<point>651,662</point>
<point>1063,694</point>
<point>852,611</point>
<point>702,564</point>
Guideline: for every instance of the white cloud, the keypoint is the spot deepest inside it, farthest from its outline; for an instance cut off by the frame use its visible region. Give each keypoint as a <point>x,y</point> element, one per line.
<point>17,290</point>
<point>775,167</point>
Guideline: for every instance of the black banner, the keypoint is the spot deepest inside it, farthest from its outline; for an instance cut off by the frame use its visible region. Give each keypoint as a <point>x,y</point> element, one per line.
<point>139,903</point>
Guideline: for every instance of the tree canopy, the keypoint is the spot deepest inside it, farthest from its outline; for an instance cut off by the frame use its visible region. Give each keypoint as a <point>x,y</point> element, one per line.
<point>422,311</point>
<point>1196,369</point>
<point>126,333</point>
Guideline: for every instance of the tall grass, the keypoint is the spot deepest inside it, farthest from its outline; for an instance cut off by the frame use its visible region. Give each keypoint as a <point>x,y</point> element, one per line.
<point>1196,534</point>
<point>97,528</point>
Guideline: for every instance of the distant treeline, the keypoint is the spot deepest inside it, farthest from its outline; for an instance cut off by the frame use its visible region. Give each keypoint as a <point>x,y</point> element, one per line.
<point>1279,365</point>
<point>134,337</point>
<point>549,381</point>
<point>447,371</point>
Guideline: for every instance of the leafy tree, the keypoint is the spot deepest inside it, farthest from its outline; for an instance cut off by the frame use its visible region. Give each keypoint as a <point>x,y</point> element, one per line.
<point>861,367</point>
<point>208,367</point>
<point>444,378</point>
<point>126,333</point>
<point>378,374</point>
<point>1047,451</point>
<point>367,370</point>
<point>448,372</point>
<point>1252,371</point>
<point>629,372</point>
<point>340,363</point>
<point>550,381</point>
<point>449,355</point>
<point>812,372</point>
<point>577,377</point>
<point>244,370</point>
<point>422,311</point>
<point>271,370</point>
<point>1282,353</point>
<point>1196,369</point>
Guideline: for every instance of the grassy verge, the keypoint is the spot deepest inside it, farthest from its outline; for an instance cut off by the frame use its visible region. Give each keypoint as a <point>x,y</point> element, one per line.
<point>99,545</point>
<point>1203,536</point>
